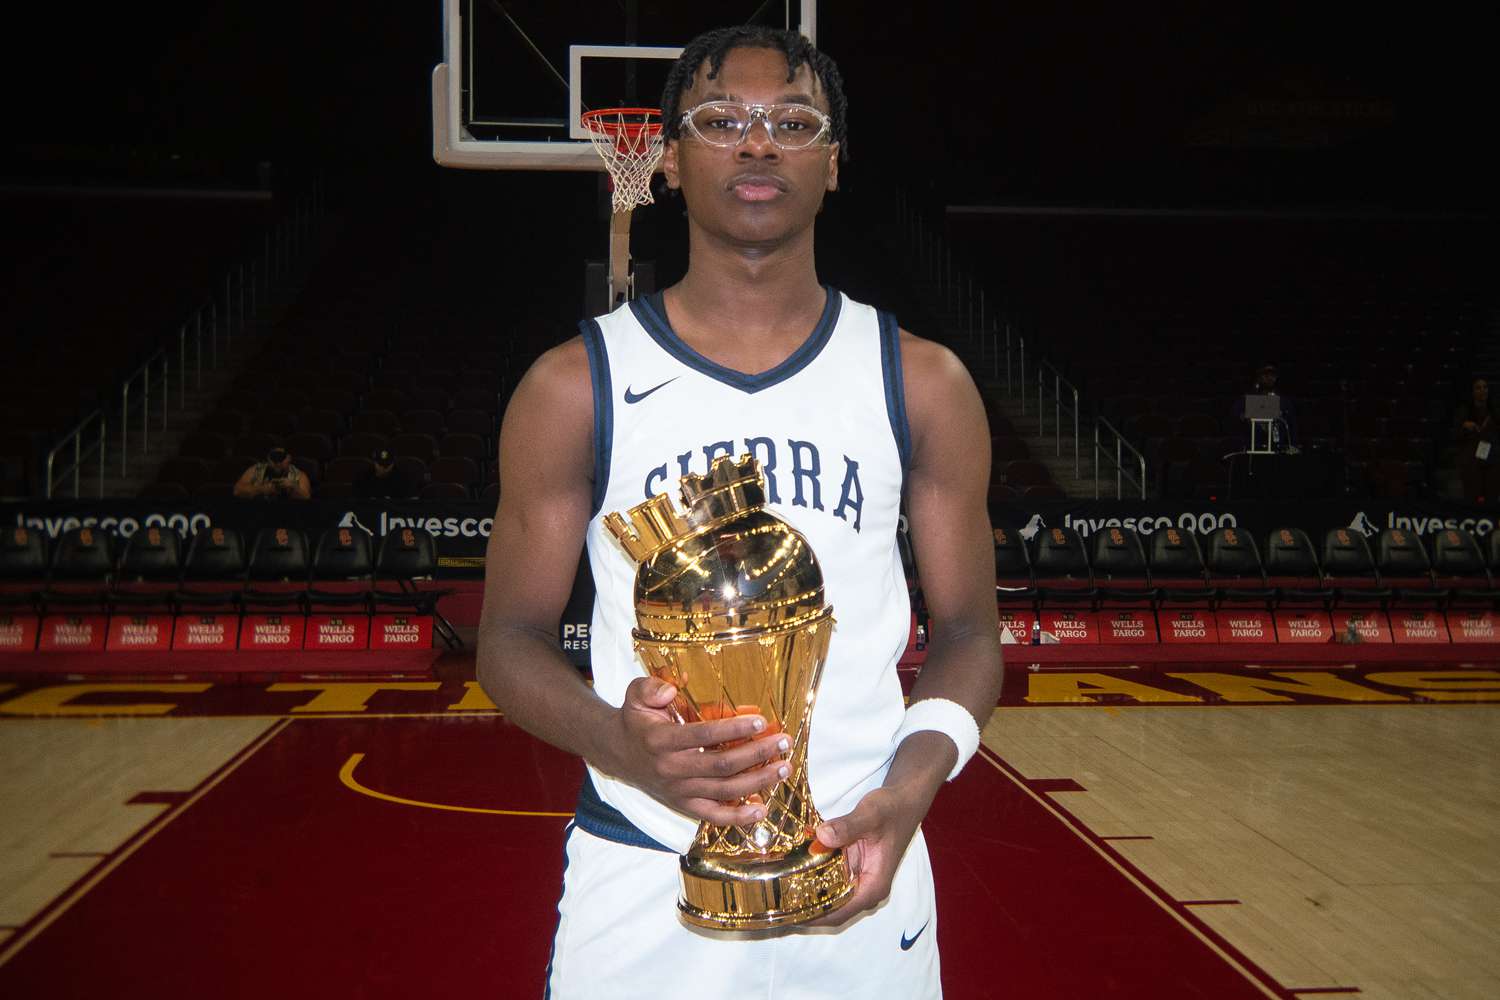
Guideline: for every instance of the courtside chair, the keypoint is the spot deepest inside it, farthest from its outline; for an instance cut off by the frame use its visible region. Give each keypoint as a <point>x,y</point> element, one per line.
<point>1235,570</point>
<point>1122,577</point>
<point>212,571</point>
<point>150,566</point>
<point>23,568</point>
<point>1015,587</point>
<point>1060,566</point>
<point>1177,568</point>
<point>277,555</point>
<point>1405,569</point>
<point>82,568</point>
<point>405,556</point>
<point>1292,568</point>
<point>342,554</point>
<point>1458,567</point>
<point>1349,569</point>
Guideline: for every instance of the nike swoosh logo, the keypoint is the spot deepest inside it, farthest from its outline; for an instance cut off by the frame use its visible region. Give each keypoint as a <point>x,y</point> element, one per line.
<point>633,397</point>
<point>907,942</point>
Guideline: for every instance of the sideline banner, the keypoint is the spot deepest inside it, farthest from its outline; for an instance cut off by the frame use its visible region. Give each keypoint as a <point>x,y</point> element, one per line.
<point>460,530</point>
<point>1369,517</point>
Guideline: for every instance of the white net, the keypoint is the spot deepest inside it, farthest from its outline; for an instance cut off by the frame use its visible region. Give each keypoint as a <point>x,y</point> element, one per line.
<point>629,140</point>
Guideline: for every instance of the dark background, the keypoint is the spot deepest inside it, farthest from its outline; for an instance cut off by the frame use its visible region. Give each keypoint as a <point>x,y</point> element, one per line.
<point>1243,106</point>
<point>1160,103</point>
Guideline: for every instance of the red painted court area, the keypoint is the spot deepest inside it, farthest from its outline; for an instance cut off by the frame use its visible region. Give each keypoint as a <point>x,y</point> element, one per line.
<point>279,877</point>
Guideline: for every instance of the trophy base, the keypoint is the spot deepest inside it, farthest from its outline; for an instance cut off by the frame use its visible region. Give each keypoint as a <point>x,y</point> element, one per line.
<point>739,894</point>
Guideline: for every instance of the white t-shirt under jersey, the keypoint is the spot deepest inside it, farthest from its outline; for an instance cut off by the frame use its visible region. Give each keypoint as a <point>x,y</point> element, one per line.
<point>829,428</point>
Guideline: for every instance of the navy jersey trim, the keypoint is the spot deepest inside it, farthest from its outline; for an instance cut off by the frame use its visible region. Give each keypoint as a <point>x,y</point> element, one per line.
<point>552,952</point>
<point>651,312</point>
<point>895,386</point>
<point>604,414</point>
<point>603,820</point>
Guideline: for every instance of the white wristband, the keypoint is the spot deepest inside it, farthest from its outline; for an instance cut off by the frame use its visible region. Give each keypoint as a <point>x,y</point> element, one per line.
<point>939,715</point>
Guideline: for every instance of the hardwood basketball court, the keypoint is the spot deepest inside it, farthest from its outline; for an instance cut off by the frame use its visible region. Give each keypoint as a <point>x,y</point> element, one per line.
<point>378,837</point>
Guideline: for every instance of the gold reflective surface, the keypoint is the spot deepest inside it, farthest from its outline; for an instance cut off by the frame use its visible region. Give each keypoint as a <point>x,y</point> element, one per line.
<point>730,609</point>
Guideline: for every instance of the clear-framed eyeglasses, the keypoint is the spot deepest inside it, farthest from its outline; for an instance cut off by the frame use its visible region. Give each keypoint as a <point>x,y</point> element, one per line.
<point>726,123</point>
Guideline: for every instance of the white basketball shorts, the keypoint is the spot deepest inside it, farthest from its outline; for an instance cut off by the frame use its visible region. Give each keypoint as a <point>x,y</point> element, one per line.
<point>619,937</point>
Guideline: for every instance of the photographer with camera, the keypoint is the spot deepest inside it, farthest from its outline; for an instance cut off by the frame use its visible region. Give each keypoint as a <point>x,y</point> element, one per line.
<point>274,479</point>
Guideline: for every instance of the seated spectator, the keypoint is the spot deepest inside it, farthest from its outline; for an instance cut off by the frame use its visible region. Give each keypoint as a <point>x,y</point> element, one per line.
<point>274,479</point>
<point>1477,428</point>
<point>1284,430</point>
<point>386,479</point>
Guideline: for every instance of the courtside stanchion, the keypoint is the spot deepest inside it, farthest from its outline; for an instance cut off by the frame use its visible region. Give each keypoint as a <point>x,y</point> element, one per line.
<point>629,140</point>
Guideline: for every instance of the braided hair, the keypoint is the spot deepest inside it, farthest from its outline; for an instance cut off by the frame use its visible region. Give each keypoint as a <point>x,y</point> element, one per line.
<point>715,45</point>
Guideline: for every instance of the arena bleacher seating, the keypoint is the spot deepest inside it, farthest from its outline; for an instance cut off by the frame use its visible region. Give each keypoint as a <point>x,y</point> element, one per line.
<point>1349,588</point>
<point>155,590</point>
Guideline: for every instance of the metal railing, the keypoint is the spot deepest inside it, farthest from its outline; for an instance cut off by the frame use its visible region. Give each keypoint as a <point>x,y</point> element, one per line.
<point>135,391</point>
<point>1059,407</point>
<point>1121,446</point>
<point>246,287</point>
<point>73,441</point>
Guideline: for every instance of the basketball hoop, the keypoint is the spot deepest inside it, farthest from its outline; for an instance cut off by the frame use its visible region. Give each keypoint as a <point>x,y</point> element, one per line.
<point>629,140</point>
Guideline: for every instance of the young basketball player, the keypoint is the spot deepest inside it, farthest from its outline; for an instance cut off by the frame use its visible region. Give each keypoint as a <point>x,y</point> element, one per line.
<point>847,414</point>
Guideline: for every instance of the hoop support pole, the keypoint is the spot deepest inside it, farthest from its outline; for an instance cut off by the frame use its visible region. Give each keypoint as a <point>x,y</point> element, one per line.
<point>619,258</point>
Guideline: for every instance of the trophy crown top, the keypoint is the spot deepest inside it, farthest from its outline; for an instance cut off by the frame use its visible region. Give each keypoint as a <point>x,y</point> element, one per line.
<point>731,487</point>
<point>649,527</point>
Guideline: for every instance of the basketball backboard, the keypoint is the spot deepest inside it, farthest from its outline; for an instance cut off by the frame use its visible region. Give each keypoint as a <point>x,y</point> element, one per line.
<point>517,75</point>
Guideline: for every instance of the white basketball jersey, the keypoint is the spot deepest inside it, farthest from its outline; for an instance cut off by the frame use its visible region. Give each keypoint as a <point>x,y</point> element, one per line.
<point>829,428</point>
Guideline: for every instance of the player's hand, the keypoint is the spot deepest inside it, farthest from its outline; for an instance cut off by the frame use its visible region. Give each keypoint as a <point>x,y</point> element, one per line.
<point>703,769</point>
<point>876,834</point>
<point>874,838</point>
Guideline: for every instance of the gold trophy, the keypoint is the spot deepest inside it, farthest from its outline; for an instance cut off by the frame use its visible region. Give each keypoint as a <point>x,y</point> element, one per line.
<point>729,609</point>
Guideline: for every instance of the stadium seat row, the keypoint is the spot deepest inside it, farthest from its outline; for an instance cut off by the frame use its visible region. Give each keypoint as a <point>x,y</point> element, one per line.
<point>1118,568</point>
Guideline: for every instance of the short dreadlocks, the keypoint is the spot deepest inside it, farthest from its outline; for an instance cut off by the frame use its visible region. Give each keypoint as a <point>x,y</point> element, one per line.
<point>714,45</point>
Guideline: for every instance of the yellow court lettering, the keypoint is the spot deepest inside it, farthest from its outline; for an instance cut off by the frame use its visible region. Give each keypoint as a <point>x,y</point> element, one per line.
<point>349,696</point>
<point>1444,685</point>
<point>474,700</point>
<point>1084,688</point>
<point>1311,683</point>
<point>57,700</point>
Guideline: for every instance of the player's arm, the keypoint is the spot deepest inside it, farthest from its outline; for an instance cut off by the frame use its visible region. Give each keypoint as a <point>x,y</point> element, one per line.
<point>301,487</point>
<point>946,494</point>
<point>546,464</point>
<point>246,487</point>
